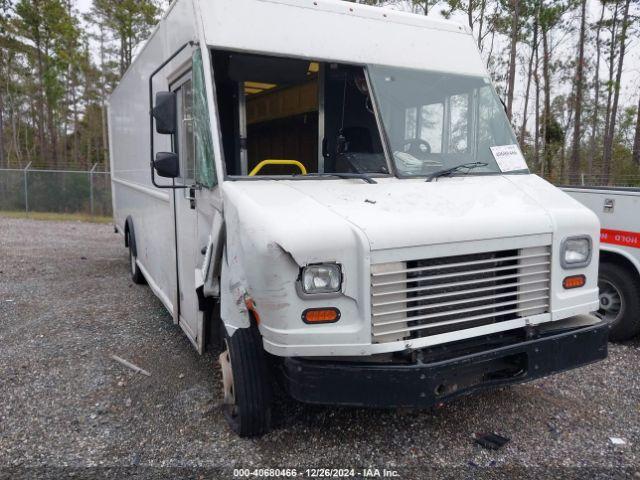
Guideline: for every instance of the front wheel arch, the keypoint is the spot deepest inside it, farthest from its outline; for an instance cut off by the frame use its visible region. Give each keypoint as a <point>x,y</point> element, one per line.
<point>619,281</point>
<point>616,258</point>
<point>130,235</point>
<point>130,241</point>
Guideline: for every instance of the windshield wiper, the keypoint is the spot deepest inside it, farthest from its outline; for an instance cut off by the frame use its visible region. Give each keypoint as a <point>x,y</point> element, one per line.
<point>449,171</point>
<point>362,176</point>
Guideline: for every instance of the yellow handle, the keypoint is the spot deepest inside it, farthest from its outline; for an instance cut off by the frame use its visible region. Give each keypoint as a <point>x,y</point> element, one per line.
<point>264,163</point>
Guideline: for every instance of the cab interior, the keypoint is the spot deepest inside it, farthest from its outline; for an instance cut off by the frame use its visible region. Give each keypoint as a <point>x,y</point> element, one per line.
<point>284,116</point>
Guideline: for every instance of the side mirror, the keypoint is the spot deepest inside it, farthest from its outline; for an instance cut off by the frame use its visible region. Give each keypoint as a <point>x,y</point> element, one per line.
<point>167,164</point>
<point>165,113</point>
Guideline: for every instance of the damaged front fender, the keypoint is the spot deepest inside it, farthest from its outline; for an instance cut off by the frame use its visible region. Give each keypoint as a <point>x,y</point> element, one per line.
<point>266,248</point>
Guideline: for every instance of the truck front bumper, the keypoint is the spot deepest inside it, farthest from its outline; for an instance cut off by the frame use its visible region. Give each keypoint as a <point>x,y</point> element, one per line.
<point>421,384</point>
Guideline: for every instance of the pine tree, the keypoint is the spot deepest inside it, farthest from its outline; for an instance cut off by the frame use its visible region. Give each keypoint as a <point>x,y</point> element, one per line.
<point>574,166</point>
<point>130,21</point>
<point>636,142</point>
<point>610,128</point>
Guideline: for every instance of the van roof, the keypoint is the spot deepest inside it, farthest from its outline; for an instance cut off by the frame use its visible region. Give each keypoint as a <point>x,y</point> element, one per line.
<point>336,30</point>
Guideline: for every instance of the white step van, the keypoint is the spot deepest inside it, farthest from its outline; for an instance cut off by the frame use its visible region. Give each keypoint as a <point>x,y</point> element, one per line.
<point>336,194</point>
<point>619,276</point>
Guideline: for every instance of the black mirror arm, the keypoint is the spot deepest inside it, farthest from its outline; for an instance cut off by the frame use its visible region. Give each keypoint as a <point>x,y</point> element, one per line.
<point>153,74</point>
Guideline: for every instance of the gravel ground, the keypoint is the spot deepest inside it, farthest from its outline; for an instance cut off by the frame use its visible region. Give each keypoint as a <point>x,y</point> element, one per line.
<point>66,408</point>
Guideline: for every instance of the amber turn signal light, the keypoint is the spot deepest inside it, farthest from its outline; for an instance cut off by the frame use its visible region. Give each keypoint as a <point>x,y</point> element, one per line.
<point>321,315</point>
<point>575,281</point>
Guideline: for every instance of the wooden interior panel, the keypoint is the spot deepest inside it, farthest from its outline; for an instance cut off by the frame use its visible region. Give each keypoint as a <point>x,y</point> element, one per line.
<point>291,138</point>
<point>282,123</point>
<point>282,102</point>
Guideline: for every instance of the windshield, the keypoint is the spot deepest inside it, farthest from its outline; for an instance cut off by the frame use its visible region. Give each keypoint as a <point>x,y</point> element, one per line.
<point>435,121</point>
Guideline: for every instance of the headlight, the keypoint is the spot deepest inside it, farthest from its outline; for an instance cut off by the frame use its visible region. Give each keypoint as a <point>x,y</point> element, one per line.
<point>326,278</point>
<point>575,252</point>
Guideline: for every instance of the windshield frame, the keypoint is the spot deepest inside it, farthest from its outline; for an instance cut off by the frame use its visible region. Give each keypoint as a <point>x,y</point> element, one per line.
<point>382,131</point>
<point>388,149</point>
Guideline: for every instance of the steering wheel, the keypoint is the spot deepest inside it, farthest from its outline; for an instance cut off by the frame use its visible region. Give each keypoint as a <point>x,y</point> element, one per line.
<point>417,147</point>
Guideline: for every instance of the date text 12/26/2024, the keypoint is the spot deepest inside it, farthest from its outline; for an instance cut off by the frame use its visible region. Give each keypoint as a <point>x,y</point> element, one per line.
<point>315,473</point>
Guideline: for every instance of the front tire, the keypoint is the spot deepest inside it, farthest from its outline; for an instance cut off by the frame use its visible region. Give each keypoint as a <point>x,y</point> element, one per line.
<point>247,383</point>
<point>619,301</point>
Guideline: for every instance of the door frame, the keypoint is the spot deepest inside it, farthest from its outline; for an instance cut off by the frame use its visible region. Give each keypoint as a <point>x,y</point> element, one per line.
<point>176,86</point>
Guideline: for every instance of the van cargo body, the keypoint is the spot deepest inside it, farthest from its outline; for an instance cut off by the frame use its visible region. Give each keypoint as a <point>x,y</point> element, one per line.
<point>619,276</point>
<point>333,201</point>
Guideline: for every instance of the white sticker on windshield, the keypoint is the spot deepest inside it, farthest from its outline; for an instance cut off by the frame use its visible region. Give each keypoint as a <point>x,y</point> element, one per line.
<point>509,158</point>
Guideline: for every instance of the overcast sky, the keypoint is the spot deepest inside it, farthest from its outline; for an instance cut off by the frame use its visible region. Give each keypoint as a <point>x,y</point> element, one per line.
<point>83,5</point>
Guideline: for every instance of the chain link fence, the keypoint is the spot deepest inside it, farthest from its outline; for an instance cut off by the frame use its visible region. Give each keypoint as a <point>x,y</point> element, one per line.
<point>86,192</point>
<point>586,180</point>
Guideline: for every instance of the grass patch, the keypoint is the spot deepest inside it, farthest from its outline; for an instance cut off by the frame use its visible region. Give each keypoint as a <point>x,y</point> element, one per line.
<point>57,217</point>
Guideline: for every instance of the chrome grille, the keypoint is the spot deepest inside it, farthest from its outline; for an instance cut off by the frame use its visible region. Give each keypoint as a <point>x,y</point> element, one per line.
<point>420,298</point>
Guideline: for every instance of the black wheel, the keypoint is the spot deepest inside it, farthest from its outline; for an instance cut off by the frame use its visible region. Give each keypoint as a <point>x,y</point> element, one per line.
<point>136,273</point>
<point>246,382</point>
<point>619,301</point>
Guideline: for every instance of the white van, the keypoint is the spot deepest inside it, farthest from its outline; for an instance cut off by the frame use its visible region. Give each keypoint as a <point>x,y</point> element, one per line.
<point>335,190</point>
<point>619,273</point>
